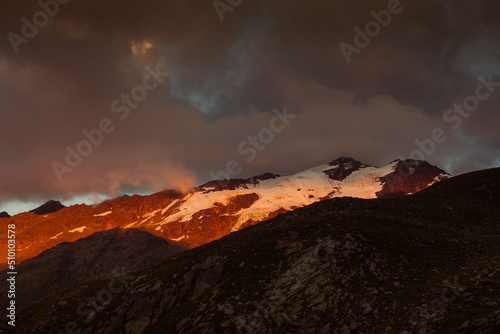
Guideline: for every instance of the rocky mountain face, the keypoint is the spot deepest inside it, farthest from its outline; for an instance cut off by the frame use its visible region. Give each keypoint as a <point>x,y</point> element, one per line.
<point>48,207</point>
<point>409,177</point>
<point>35,233</point>
<point>4,215</point>
<point>220,207</point>
<point>342,167</point>
<point>424,263</point>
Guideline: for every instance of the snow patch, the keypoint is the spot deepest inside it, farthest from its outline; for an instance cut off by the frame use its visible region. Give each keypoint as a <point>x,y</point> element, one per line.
<point>78,229</point>
<point>103,214</point>
<point>26,247</point>
<point>150,215</point>
<point>193,203</point>
<point>438,178</point>
<point>131,225</point>
<point>57,235</point>
<point>169,206</point>
<point>363,183</point>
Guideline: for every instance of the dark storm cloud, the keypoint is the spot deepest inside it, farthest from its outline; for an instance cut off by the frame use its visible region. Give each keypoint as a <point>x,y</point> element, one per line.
<point>224,79</point>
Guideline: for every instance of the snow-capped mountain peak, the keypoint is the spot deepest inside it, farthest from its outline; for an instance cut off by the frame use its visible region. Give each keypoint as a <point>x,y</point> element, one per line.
<point>220,207</point>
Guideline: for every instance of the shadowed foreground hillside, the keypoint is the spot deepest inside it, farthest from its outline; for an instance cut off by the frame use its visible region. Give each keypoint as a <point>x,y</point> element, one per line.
<point>97,256</point>
<point>429,261</point>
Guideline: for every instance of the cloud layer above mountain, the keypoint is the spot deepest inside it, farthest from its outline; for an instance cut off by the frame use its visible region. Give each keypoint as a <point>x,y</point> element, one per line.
<point>176,92</point>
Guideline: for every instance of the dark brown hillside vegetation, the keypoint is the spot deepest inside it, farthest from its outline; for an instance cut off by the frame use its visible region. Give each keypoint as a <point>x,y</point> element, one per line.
<point>429,261</point>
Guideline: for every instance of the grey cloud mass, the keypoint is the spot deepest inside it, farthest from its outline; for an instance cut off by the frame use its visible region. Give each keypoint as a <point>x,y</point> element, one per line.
<point>225,78</point>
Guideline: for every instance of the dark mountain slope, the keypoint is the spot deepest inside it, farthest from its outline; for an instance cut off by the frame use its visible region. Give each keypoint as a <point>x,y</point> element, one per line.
<point>100,255</point>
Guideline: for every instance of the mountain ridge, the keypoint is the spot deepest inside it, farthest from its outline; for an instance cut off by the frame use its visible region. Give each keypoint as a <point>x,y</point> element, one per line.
<point>217,208</point>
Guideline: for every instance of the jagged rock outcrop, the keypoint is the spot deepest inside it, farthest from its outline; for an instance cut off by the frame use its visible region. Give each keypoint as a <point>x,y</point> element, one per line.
<point>410,176</point>
<point>233,184</point>
<point>343,167</point>
<point>48,207</point>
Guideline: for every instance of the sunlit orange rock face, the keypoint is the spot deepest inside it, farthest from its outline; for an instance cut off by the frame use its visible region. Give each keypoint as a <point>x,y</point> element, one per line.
<point>217,208</point>
<point>410,177</point>
<point>210,224</point>
<point>36,233</point>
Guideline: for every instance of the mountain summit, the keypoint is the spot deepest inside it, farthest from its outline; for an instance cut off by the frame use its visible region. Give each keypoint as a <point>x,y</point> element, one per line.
<point>48,207</point>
